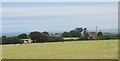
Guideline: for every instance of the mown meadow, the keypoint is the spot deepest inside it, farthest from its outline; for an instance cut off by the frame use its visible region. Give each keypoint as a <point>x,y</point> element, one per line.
<point>93,49</point>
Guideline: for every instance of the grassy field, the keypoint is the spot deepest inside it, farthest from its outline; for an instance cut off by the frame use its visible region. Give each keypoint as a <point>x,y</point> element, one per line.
<point>100,49</point>
<point>70,38</point>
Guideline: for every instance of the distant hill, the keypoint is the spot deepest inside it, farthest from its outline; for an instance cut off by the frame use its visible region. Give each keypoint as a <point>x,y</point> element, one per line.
<point>10,34</point>
<point>17,33</point>
<point>112,31</point>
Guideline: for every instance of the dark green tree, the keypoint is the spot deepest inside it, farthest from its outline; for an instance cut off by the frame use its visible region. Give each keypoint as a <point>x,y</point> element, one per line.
<point>84,31</point>
<point>76,32</point>
<point>78,29</point>
<point>22,36</point>
<point>45,32</point>
<point>11,40</point>
<point>66,34</point>
<point>3,39</point>
<point>72,33</point>
<point>38,36</point>
<point>100,34</point>
<point>35,36</point>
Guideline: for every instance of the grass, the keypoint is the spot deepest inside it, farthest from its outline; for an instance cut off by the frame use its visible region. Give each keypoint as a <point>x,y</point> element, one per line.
<point>70,38</point>
<point>99,49</point>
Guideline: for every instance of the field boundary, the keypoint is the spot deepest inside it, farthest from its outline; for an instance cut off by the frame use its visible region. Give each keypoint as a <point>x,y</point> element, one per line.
<point>60,60</point>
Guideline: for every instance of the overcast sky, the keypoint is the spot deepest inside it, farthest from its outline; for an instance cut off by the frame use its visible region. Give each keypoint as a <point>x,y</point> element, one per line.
<point>29,16</point>
<point>60,0</point>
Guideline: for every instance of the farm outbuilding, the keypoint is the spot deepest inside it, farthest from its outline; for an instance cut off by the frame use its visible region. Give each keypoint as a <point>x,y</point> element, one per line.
<point>92,35</point>
<point>27,40</point>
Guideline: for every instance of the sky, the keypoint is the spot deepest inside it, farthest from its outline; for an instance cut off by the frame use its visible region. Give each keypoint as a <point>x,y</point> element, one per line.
<point>58,16</point>
<point>59,0</point>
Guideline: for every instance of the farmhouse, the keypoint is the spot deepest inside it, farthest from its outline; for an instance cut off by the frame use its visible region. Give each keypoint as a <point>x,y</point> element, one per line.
<point>92,35</point>
<point>27,40</point>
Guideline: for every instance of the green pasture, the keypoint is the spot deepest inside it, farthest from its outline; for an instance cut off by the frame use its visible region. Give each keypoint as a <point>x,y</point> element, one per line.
<point>70,38</point>
<point>94,49</point>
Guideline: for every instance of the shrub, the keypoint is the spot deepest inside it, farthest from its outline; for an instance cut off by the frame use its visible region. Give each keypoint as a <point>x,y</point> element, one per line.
<point>10,40</point>
<point>55,38</point>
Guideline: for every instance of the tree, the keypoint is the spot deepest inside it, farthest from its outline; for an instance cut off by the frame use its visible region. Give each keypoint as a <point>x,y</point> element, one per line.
<point>76,32</point>
<point>79,29</point>
<point>35,36</point>
<point>84,31</point>
<point>66,34</point>
<point>38,36</point>
<point>100,34</point>
<point>72,33</point>
<point>3,39</point>
<point>86,35</point>
<point>10,40</point>
<point>45,32</point>
<point>22,36</point>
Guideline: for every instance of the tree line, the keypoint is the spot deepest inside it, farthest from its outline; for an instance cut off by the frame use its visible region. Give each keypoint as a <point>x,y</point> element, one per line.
<point>41,37</point>
<point>34,36</point>
<point>83,34</point>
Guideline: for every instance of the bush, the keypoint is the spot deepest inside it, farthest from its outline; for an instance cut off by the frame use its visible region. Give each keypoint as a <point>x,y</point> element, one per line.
<point>44,37</point>
<point>84,38</point>
<point>10,40</point>
<point>102,38</point>
<point>55,38</point>
<point>111,37</point>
